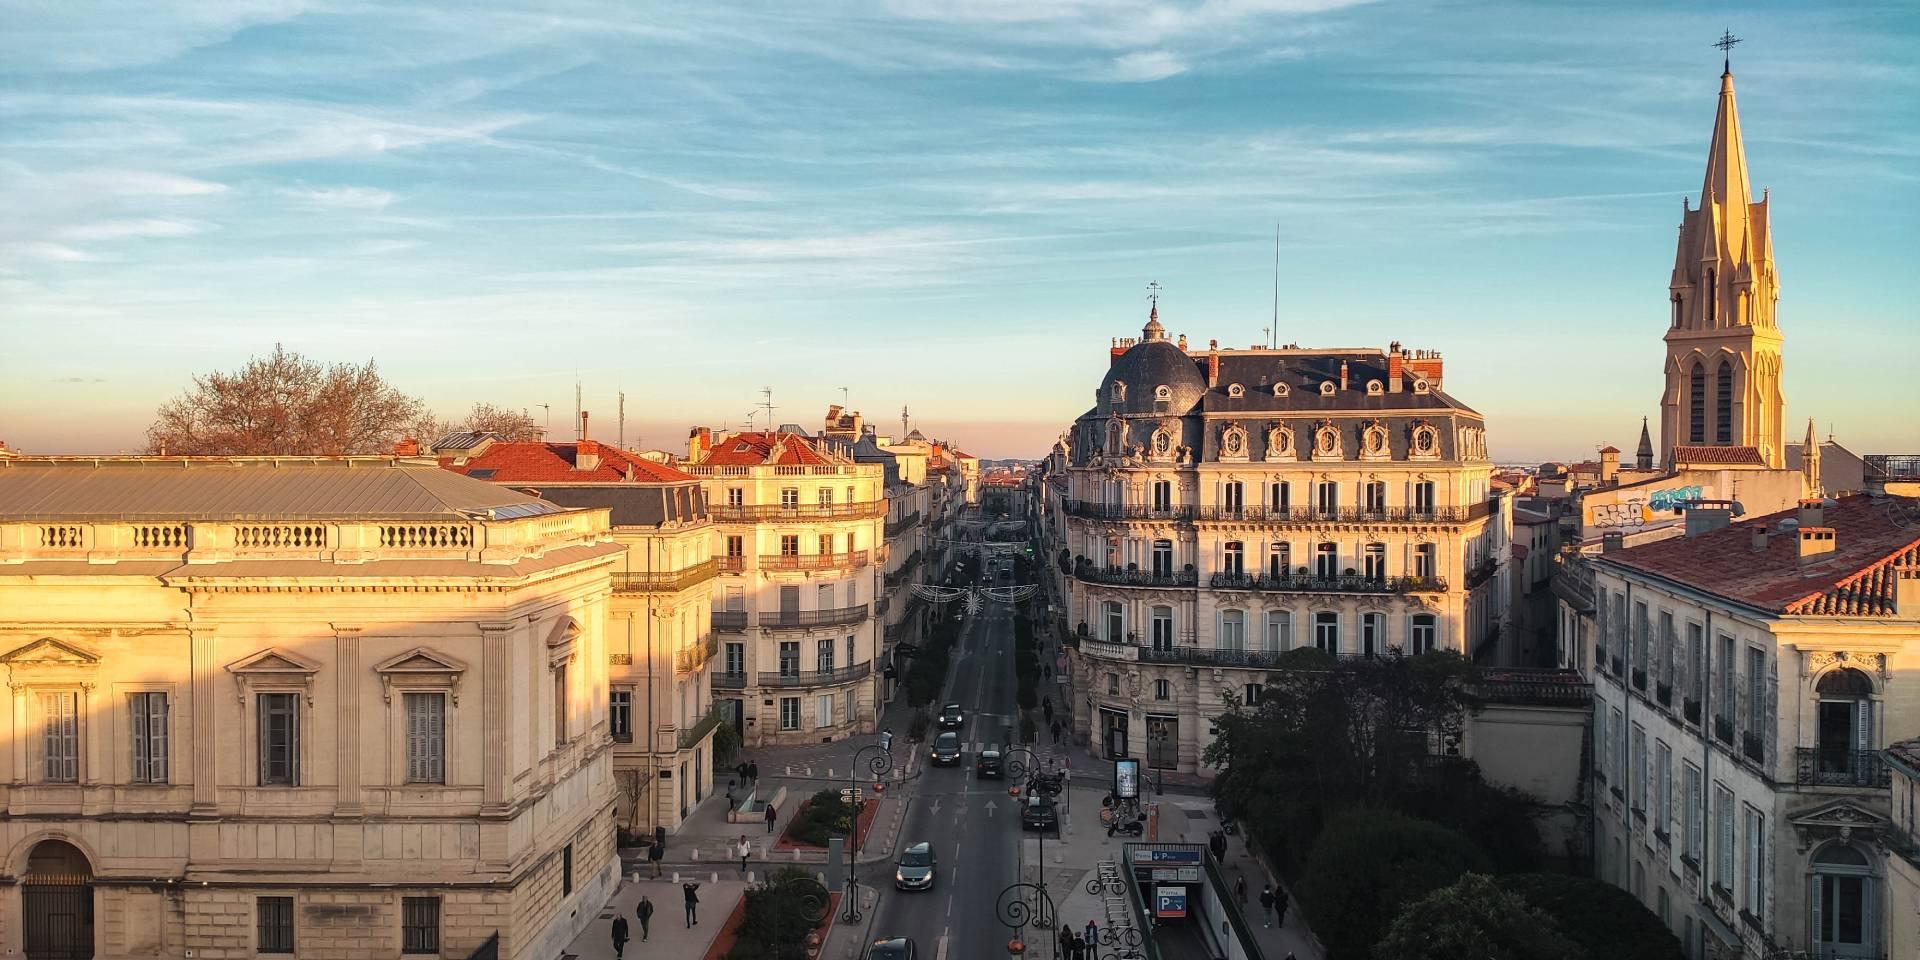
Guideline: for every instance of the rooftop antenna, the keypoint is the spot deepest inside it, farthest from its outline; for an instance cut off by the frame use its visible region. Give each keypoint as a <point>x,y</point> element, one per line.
<point>1725,43</point>
<point>623,419</point>
<point>578,433</point>
<point>843,397</point>
<point>903,422</point>
<point>548,408</point>
<point>766,403</point>
<point>1274,335</point>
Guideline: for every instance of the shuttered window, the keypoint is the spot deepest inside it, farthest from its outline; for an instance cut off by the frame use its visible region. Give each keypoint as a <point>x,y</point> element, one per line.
<point>426,737</point>
<point>148,712</point>
<point>60,736</point>
<point>279,740</point>
<point>420,925</point>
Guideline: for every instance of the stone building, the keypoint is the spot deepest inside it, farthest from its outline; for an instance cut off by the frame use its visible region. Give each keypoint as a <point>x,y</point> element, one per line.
<point>800,535</point>
<point>348,707</point>
<point>1221,506</point>
<point>660,640</point>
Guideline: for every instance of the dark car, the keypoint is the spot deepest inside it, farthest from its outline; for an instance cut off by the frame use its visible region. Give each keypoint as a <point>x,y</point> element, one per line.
<point>951,716</point>
<point>916,868</point>
<point>892,948</point>
<point>989,762</point>
<point>1036,813</point>
<point>946,749</point>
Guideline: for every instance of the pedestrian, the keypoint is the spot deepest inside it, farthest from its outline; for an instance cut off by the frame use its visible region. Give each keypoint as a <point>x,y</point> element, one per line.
<point>740,770</point>
<point>644,911</point>
<point>1066,942</point>
<point>753,772</point>
<point>744,849</point>
<point>1266,902</point>
<point>771,815</point>
<point>1056,731</point>
<point>692,892</point>
<point>619,936</point>
<point>1279,908</point>
<point>1217,842</point>
<point>1046,707</point>
<point>656,851</point>
<point>1240,889</point>
<point>1093,933</point>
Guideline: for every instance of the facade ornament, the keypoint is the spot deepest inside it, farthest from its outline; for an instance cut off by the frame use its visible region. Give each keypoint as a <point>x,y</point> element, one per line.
<point>1162,449</point>
<point>1423,441</point>
<point>1280,442</point>
<point>1326,441</point>
<point>1233,441</point>
<point>1373,440</point>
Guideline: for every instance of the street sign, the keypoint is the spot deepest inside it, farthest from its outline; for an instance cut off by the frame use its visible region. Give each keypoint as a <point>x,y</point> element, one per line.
<point>1166,874</point>
<point>1176,857</point>
<point>1169,901</point>
<point>850,794</point>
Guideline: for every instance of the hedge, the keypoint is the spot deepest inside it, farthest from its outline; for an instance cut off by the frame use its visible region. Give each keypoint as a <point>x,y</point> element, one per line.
<point>1601,917</point>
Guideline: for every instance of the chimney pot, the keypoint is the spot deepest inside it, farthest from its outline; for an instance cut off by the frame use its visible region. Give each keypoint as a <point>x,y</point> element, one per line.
<point>1759,538</point>
<point>1815,543</point>
<point>583,424</point>
<point>1343,374</point>
<point>1213,344</point>
<point>1813,512</point>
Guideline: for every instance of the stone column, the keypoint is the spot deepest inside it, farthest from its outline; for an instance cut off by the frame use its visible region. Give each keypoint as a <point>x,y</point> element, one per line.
<point>496,710</point>
<point>205,739</point>
<point>347,683</point>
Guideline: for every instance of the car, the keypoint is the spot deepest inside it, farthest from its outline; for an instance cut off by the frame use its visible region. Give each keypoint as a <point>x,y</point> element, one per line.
<point>916,868</point>
<point>952,717</point>
<point>1036,813</point>
<point>990,762</point>
<point>946,749</point>
<point>892,948</point>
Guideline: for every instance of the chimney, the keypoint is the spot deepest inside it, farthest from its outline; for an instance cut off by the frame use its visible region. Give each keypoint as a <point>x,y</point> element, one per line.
<point>586,453</point>
<point>1813,512</point>
<point>1183,343</point>
<point>406,447</point>
<point>583,425</point>
<point>1213,369</point>
<point>1343,374</point>
<point>1759,538</point>
<point>1815,543</point>
<point>698,443</point>
<point>1396,367</point>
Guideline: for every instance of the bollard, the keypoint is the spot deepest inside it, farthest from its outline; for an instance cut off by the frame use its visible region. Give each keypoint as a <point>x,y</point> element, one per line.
<point>716,878</point>
<point>676,876</point>
<point>696,851</point>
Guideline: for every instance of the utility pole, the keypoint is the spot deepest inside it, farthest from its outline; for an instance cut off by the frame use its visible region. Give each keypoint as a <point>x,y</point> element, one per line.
<point>578,433</point>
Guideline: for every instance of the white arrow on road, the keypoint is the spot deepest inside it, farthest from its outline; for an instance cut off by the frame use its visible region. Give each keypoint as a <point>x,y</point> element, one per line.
<point>936,804</point>
<point>992,805</point>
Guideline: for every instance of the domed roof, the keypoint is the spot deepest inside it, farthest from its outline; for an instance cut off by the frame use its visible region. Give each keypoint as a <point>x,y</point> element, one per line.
<point>1142,370</point>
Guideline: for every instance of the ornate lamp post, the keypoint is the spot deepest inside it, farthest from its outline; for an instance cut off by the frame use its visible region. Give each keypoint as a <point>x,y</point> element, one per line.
<point>1022,905</point>
<point>877,758</point>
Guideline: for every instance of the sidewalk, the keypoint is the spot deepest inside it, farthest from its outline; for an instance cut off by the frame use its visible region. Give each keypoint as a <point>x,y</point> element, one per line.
<point>670,935</point>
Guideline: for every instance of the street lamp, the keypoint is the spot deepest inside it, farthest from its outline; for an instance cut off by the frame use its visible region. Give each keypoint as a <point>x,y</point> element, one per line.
<point>878,759</point>
<point>1022,765</point>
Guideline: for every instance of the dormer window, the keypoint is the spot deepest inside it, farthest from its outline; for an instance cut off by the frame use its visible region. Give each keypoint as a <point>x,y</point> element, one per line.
<point>1280,390</point>
<point>1326,388</point>
<point>1375,388</point>
<point>1373,440</point>
<point>1420,385</point>
<point>1163,393</point>
<point>1119,391</point>
<point>1426,441</point>
<point>1236,391</point>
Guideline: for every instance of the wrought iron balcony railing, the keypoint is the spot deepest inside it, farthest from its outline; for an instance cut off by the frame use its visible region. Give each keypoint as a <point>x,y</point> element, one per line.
<point>1690,709</point>
<point>799,619</point>
<point>695,656</point>
<point>1115,577</point>
<point>1815,767</point>
<point>1752,747</point>
<point>904,523</point>
<point>815,678</point>
<point>729,681</point>
<point>775,512</point>
<point>814,561</point>
<point>666,581</point>
<point>731,621</point>
<point>1723,729</point>
<point>1092,510</point>
<point>1354,584</point>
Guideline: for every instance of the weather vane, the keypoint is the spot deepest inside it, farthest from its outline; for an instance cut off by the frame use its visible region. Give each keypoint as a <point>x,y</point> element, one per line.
<point>1153,292</point>
<point>1725,43</point>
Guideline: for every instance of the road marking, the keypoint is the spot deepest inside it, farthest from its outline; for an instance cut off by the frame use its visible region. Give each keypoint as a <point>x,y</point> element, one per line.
<point>941,954</point>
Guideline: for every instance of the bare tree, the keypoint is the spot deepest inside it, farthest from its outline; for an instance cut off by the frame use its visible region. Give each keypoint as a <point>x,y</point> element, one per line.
<point>514,425</point>
<point>287,404</point>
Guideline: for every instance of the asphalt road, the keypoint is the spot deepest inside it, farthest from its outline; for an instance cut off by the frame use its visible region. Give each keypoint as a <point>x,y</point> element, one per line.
<point>973,825</point>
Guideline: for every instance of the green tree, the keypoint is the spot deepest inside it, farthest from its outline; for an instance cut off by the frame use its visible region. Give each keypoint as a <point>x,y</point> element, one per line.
<point>1477,918</point>
<point>778,916</point>
<point>1601,917</point>
<point>1368,865</point>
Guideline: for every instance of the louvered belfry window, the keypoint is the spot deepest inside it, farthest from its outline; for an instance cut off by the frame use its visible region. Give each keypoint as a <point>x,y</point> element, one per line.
<point>426,737</point>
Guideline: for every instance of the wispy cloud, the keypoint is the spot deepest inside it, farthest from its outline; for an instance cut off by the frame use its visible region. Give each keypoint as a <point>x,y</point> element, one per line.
<point>347,198</point>
<point>1142,66</point>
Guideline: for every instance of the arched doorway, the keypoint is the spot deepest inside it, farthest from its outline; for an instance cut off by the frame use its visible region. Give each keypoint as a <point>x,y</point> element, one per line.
<point>1841,902</point>
<point>56,900</point>
<point>1844,739</point>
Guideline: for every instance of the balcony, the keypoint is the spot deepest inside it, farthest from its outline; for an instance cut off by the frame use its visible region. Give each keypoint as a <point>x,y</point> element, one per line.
<point>730,621</point>
<point>1723,729</point>
<point>908,522</point>
<point>1619,665</point>
<point>692,658</point>
<point>1309,514</point>
<point>816,678</point>
<point>1752,748</point>
<point>691,737</point>
<point>1640,679</point>
<point>733,564</point>
<point>804,619</point>
<point>666,581</point>
<point>1482,572</point>
<point>1353,584</point>
<point>814,561</point>
<point>1663,694</point>
<point>777,513</point>
<point>1814,767</point>
<point>881,604</point>
<point>1116,577</point>
<point>1690,709</point>
<point>729,681</point>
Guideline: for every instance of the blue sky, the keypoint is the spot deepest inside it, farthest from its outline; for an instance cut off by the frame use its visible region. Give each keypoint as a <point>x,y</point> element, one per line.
<point>950,206</point>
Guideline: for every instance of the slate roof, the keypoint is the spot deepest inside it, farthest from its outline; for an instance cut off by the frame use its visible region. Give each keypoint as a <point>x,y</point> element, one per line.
<point>631,504</point>
<point>1870,548</point>
<point>1729,456</point>
<point>537,462</point>
<point>242,488</point>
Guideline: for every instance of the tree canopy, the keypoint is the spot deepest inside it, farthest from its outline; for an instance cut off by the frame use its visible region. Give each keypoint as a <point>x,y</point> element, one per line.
<point>1367,865</point>
<point>1606,920</point>
<point>514,425</point>
<point>1478,918</point>
<point>284,403</point>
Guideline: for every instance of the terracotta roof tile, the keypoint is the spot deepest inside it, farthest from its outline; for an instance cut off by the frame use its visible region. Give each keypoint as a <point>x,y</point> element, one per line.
<point>758,449</point>
<point>536,462</point>
<point>1857,579</point>
<point>1732,456</point>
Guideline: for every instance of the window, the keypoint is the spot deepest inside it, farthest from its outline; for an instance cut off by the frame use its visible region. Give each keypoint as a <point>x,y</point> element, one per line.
<point>1163,628</point>
<point>566,870</point>
<point>823,655</point>
<point>1326,631</point>
<point>1280,561</point>
<point>1423,497</point>
<point>1723,837</point>
<point>279,743</point>
<point>1373,634</point>
<point>1279,631</point>
<point>789,497</point>
<point>736,547</point>
<point>1163,558</point>
<point>1251,695</point>
<point>1664,659</point>
<point>1640,640</point>
<point>736,658</point>
<point>1757,697</point>
<point>1376,497</point>
<point>1279,497</point>
<point>1723,404</point>
<point>620,714</point>
<point>1697,404</point>
<point>1234,497</point>
<point>1729,679</point>
<point>1694,833</point>
<point>1233,629</point>
<point>273,918</point>
<point>826,496</point>
<point>1426,633</point>
<point>60,736</point>
<point>823,710</point>
<point>1326,497</point>
<point>736,497</point>
<point>1639,769</point>
<point>1113,684</point>
<point>1755,881</point>
<point>149,714</point>
<point>789,658</point>
<point>1326,561</point>
<point>1663,786</point>
<point>1114,617</point>
<point>1375,560</point>
<point>1162,496</point>
<point>1236,559</point>
<point>1618,740</point>
<point>562,697</point>
<point>1424,555</point>
<point>850,657</point>
<point>789,713</point>
<point>1162,690</point>
<point>419,924</point>
<point>426,737</point>
<point>826,544</point>
<point>790,545</point>
<point>1696,666</point>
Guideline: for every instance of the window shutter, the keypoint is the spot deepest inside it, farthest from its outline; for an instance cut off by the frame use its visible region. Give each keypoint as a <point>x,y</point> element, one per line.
<point>437,739</point>
<point>416,737</point>
<point>263,721</point>
<point>156,714</point>
<point>1815,891</point>
<point>1863,735</point>
<point>137,717</point>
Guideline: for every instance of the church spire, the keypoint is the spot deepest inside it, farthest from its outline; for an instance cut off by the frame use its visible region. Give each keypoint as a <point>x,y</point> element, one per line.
<point>1810,463</point>
<point>1727,190</point>
<point>1643,457</point>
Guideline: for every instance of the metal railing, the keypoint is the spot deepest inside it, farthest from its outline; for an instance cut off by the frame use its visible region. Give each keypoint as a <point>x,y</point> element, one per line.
<point>698,732</point>
<point>1349,584</point>
<point>1753,747</point>
<point>666,581</point>
<point>797,619</point>
<point>694,657</point>
<point>732,564</point>
<point>731,621</point>
<point>729,681</point>
<point>1482,572</point>
<point>814,561</point>
<point>815,678</point>
<point>904,523</point>
<point>775,512</point>
<point>1815,767</point>
<point>1723,728</point>
<point>1114,577</point>
<point>1092,510</point>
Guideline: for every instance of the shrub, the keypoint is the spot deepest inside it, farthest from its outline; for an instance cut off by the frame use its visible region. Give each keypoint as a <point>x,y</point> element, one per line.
<point>917,727</point>
<point>726,742</point>
<point>1368,865</point>
<point>1475,917</point>
<point>778,916</point>
<point>1600,917</point>
<point>825,815</point>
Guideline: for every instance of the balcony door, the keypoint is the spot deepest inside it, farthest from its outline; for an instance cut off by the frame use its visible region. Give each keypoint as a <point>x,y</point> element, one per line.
<point>1163,628</point>
<point>1163,558</point>
<point>1116,619</point>
<point>1845,736</point>
<point>1840,903</point>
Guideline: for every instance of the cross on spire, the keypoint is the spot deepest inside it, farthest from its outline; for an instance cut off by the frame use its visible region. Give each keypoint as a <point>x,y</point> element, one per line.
<point>1725,43</point>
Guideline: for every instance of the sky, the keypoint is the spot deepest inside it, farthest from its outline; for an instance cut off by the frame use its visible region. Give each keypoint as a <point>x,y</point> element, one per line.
<point>947,207</point>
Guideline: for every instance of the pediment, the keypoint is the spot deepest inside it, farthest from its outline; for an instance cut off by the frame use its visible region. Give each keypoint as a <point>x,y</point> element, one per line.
<point>420,660</point>
<point>273,662</point>
<point>47,651</point>
<point>1839,813</point>
<point>563,633</point>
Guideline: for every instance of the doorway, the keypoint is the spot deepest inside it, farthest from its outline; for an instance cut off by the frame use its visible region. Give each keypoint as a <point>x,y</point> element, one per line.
<point>1114,725</point>
<point>56,899</point>
<point>1841,903</point>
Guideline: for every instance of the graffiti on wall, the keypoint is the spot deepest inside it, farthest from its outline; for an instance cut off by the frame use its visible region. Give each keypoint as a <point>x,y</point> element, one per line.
<point>1638,509</point>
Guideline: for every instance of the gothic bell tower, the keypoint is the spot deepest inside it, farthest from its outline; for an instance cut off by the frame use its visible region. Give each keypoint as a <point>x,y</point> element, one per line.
<point>1723,344</point>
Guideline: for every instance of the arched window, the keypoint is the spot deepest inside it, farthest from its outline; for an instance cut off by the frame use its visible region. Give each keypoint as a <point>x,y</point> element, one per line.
<point>1723,404</point>
<point>1235,564</point>
<point>1697,404</point>
<point>1842,902</point>
<point>1676,310</point>
<point>1844,743</point>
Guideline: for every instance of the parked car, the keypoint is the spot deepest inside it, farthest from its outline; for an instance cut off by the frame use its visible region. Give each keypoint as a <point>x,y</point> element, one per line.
<point>1037,813</point>
<point>952,717</point>
<point>989,762</point>
<point>946,749</point>
<point>916,868</point>
<point>892,948</point>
